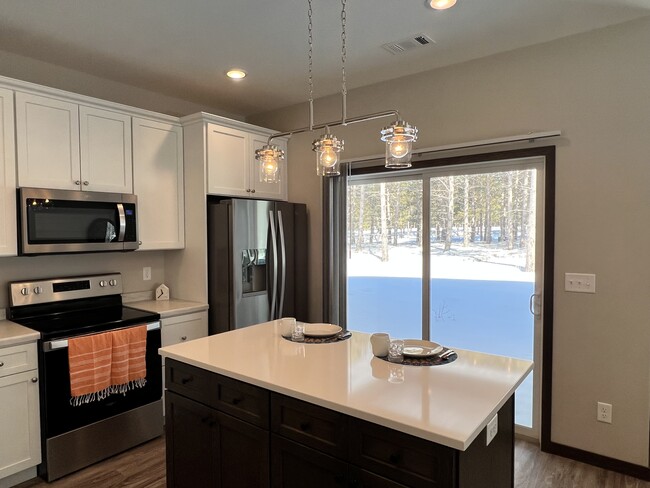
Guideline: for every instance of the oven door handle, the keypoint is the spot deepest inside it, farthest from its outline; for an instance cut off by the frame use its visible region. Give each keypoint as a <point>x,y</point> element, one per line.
<point>63,343</point>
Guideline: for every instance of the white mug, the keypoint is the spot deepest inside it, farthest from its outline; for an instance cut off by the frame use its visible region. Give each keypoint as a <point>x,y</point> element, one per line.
<point>287,325</point>
<point>380,342</point>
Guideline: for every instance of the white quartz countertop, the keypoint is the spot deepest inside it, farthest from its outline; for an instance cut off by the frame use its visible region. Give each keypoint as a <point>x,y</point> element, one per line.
<point>449,404</point>
<point>12,334</point>
<point>168,308</point>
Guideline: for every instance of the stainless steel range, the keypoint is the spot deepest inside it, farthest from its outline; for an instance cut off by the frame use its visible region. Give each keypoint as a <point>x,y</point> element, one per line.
<point>76,436</point>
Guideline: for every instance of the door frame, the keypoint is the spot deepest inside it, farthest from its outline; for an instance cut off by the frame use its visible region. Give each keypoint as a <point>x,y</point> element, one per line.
<point>334,267</point>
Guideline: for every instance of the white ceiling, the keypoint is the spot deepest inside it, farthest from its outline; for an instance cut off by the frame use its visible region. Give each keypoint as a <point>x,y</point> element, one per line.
<point>182,48</point>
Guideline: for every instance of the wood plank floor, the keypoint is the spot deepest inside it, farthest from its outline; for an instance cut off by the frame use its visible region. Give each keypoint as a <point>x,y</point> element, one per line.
<point>144,467</point>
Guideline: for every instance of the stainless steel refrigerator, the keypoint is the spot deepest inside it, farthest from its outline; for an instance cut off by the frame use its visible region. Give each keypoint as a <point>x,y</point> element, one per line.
<point>257,262</point>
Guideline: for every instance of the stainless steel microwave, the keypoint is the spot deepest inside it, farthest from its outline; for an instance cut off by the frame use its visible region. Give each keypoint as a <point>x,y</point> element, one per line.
<point>65,221</point>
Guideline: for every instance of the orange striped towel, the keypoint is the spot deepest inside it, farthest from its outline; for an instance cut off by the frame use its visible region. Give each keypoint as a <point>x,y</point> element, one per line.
<point>129,367</point>
<point>102,364</point>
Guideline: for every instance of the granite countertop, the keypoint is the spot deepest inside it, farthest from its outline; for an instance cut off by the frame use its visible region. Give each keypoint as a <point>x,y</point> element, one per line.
<point>168,308</point>
<point>449,404</point>
<point>12,334</point>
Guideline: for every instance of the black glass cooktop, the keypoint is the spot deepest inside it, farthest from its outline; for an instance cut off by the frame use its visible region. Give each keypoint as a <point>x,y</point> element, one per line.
<point>77,317</point>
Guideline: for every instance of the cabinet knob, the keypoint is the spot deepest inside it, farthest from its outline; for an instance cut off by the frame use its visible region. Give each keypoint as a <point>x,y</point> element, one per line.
<point>34,380</point>
<point>252,191</point>
<point>248,190</point>
<point>184,338</point>
<point>77,182</point>
<point>1,364</point>
<point>139,243</point>
<point>86,183</point>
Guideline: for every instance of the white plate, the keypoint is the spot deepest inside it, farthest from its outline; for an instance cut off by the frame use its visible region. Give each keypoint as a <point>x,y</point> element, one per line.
<point>416,348</point>
<point>321,330</point>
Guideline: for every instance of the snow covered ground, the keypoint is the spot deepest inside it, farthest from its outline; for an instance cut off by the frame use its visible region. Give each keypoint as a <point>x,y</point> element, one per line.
<point>479,300</point>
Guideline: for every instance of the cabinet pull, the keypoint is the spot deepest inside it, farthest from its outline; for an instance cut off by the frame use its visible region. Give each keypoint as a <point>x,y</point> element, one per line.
<point>77,182</point>
<point>183,338</point>
<point>305,426</point>
<point>395,458</point>
<point>86,183</point>
<point>237,401</point>
<point>185,381</point>
<point>34,380</point>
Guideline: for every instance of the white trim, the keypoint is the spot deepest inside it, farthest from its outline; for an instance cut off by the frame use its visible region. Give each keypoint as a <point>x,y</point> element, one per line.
<point>530,137</point>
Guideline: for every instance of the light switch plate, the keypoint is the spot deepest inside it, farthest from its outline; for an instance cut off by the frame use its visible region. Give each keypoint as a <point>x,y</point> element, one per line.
<point>580,282</point>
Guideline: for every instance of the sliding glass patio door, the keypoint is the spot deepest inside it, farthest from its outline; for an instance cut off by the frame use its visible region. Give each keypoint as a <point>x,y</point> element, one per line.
<point>452,255</point>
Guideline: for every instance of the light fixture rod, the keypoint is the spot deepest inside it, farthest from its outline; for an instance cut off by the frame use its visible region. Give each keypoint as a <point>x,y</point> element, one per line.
<point>352,120</point>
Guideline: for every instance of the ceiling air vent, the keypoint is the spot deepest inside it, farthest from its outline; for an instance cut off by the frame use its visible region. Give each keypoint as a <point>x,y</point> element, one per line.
<point>409,44</point>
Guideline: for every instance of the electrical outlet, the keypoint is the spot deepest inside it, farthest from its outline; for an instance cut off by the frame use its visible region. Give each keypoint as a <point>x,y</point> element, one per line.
<point>146,273</point>
<point>492,429</point>
<point>604,412</point>
<point>580,282</point>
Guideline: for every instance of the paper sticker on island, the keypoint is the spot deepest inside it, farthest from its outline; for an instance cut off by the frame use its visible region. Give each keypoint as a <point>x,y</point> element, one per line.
<point>162,292</point>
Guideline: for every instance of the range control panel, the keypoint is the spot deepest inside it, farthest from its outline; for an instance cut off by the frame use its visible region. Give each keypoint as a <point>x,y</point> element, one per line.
<point>54,290</point>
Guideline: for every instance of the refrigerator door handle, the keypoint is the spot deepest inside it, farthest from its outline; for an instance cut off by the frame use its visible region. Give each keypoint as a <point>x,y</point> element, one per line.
<point>283,250</point>
<point>274,280</point>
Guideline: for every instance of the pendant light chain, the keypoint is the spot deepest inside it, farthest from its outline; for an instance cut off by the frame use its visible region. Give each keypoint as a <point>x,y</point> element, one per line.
<point>344,54</point>
<point>311,67</point>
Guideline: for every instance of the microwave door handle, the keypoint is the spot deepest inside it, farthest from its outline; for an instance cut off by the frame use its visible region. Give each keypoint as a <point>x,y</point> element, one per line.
<point>120,212</point>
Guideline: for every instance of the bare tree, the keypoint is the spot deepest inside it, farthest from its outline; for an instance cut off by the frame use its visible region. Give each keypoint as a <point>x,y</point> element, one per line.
<point>384,221</point>
<point>466,228</point>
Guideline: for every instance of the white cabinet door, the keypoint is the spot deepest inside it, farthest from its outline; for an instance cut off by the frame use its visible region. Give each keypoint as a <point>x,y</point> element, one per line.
<point>158,184</point>
<point>273,191</point>
<point>20,444</point>
<point>47,138</point>
<point>8,236</point>
<point>227,161</point>
<point>105,144</point>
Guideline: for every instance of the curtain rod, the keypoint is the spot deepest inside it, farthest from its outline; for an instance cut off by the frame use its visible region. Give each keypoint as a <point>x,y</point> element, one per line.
<point>530,137</point>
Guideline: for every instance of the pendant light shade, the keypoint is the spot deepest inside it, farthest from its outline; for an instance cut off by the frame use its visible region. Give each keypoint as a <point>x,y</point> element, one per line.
<point>268,157</point>
<point>399,138</point>
<point>327,148</point>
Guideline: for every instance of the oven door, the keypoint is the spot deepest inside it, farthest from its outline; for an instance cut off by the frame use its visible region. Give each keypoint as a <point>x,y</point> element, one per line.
<point>59,416</point>
<point>58,221</point>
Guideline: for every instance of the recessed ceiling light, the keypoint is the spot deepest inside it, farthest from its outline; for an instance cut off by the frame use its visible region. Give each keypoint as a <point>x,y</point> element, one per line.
<point>442,4</point>
<point>236,73</point>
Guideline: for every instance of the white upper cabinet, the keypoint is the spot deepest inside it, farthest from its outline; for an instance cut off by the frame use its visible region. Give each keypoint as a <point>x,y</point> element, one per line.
<point>105,143</point>
<point>8,236</point>
<point>68,146</point>
<point>228,161</point>
<point>231,166</point>
<point>158,184</point>
<point>47,137</point>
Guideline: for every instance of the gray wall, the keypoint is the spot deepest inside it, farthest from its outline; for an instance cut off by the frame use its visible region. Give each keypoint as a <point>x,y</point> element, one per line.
<point>595,88</point>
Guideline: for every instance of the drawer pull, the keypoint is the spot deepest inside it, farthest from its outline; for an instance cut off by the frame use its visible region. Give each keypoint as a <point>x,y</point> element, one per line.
<point>395,458</point>
<point>237,401</point>
<point>184,338</point>
<point>305,426</point>
<point>185,381</point>
<point>34,380</point>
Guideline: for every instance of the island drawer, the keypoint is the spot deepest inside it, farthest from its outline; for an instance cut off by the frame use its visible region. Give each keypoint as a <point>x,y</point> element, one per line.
<point>401,457</point>
<point>241,400</point>
<point>309,424</point>
<point>190,381</point>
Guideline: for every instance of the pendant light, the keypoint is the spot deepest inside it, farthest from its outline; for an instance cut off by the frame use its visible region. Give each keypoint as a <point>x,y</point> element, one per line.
<point>399,136</point>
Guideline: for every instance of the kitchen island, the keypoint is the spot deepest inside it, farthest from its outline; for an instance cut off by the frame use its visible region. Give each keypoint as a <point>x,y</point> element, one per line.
<point>250,408</point>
